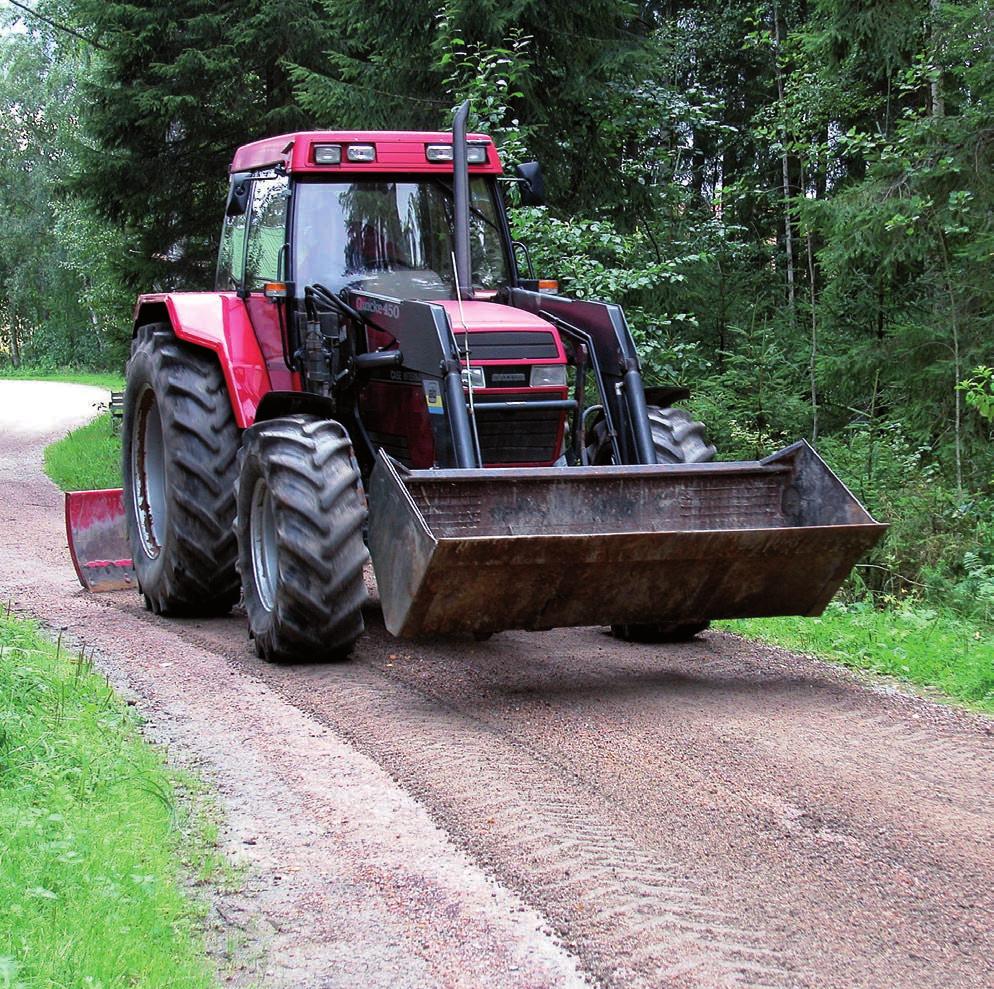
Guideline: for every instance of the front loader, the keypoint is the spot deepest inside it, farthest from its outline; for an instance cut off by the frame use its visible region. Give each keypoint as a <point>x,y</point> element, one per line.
<point>374,375</point>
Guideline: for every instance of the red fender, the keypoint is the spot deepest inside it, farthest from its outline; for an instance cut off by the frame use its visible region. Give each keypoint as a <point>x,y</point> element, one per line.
<point>219,322</point>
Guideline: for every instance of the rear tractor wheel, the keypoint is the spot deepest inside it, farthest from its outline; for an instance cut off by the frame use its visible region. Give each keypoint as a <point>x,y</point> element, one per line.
<point>300,546</point>
<point>678,439</point>
<point>179,459</point>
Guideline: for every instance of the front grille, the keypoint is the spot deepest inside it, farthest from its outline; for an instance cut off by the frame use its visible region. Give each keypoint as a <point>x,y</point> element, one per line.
<point>507,376</point>
<point>519,437</point>
<point>510,346</point>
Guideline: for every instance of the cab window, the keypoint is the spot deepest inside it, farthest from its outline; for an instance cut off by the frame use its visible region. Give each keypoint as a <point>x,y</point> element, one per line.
<point>266,230</point>
<point>231,256</point>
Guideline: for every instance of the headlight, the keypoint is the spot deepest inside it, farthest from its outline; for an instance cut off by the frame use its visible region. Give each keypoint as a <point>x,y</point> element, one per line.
<point>361,152</point>
<point>476,154</point>
<point>473,375</point>
<point>327,154</point>
<point>544,375</point>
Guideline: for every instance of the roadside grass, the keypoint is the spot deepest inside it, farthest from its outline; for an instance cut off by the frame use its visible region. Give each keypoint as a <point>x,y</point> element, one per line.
<point>101,379</point>
<point>95,840</point>
<point>911,641</point>
<point>88,457</point>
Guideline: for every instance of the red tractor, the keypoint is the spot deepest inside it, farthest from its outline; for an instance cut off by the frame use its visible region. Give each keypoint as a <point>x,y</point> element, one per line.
<point>373,369</point>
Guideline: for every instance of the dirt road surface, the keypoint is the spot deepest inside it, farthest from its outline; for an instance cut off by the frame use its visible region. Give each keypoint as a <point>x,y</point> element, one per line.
<point>545,809</point>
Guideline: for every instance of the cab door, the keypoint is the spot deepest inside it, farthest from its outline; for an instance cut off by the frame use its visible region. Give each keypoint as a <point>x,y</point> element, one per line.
<point>265,261</point>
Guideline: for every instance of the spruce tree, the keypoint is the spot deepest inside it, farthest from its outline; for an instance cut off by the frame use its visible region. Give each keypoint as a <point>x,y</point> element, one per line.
<point>178,86</point>
<point>386,69</point>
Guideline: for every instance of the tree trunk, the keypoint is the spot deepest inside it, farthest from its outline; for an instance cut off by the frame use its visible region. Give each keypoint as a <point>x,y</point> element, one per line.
<point>957,365</point>
<point>15,343</point>
<point>813,360</point>
<point>938,101</point>
<point>788,233</point>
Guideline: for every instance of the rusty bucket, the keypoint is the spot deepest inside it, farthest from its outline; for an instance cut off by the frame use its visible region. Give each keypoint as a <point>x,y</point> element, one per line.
<point>484,550</point>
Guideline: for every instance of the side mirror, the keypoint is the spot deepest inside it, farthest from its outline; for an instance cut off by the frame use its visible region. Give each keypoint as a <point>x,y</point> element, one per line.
<point>532,183</point>
<point>238,197</point>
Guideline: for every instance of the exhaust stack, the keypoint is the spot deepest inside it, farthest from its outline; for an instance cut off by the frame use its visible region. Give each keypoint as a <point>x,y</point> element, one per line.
<point>460,195</point>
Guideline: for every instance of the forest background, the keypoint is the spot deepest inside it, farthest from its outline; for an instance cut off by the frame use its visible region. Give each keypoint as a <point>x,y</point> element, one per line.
<point>793,200</point>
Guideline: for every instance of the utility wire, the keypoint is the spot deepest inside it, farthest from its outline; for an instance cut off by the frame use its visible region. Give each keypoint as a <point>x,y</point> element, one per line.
<point>58,27</point>
<point>331,80</point>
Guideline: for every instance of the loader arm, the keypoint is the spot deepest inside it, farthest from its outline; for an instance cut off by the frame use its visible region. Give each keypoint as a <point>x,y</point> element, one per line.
<point>603,327</point>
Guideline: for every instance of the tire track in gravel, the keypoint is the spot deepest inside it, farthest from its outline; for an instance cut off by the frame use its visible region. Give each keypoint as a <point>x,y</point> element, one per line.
<point>691,817</point>
<point>632,916</point>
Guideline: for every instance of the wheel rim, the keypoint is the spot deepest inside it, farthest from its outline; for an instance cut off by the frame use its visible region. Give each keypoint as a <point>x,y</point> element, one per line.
<point>262,532</point>
<point>148,474</point>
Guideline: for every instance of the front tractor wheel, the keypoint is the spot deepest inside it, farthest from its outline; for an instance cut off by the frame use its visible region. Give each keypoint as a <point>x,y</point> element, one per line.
<point>179,459</point>
<point>300,547</point>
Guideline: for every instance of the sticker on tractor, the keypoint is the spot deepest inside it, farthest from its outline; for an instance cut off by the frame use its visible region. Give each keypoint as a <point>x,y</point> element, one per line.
<point>433,396</point>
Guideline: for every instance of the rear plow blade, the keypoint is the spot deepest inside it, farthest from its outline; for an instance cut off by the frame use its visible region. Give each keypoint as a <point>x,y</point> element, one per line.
<point>484,550</point>
<point>98,540</point>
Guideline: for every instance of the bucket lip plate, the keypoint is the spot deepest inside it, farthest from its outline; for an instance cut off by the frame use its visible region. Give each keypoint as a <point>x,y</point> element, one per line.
<point>562,536</point>
<point>573,474</point>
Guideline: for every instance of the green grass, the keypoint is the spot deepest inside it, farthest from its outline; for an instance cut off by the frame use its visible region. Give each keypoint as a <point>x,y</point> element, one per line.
<point>921,645</point>
<point>102,379</point>
<point>92,835</point>
<point>88,457</point>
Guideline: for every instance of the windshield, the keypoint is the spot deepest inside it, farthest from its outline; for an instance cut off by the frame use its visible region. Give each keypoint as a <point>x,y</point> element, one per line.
<point>392,237</point>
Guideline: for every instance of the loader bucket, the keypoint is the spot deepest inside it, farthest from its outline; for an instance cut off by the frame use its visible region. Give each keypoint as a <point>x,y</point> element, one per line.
<point>98,540</point>
<point>484,550</point>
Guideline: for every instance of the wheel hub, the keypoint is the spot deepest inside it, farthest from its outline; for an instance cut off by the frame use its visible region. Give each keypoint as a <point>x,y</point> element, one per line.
<point>262,533</point>
<point>148,474</point>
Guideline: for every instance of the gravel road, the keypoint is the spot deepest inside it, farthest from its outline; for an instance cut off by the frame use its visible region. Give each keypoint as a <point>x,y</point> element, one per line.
<point>553,809</point>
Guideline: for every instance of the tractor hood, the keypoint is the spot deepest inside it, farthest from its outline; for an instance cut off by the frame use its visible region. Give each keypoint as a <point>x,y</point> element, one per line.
<point>502,333</point>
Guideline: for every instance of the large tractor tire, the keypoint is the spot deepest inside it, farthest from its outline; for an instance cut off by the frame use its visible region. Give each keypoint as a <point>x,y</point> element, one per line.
<point>301,552</point>
<point>179,460</point>
<point>678,439</point>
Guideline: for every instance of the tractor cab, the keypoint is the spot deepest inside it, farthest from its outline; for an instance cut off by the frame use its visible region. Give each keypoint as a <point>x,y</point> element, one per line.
<point>319,221</point>
<point>392,235</point>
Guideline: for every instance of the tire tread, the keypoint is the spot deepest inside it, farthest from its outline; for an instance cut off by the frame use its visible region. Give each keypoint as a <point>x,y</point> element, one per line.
<point>198,574</point>
<point>308,467</point>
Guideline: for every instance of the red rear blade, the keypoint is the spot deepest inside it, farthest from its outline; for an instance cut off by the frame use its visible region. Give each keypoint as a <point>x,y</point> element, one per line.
<point>98,539</point>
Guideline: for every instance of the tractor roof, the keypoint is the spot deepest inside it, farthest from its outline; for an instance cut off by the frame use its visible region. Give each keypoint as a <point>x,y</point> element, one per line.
<point>395,151</point>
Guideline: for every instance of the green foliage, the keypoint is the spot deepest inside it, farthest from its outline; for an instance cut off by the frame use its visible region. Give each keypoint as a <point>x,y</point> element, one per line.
<point>391,66</point>
<point>979,391</point>
<point>933,531</point>
<point>91,834</point>
<point>930,647</point>
<point>87,458</point>
<point>60,296</point>
<point>593,260</point>
<point>175,89</point>
<point>491,79</point>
